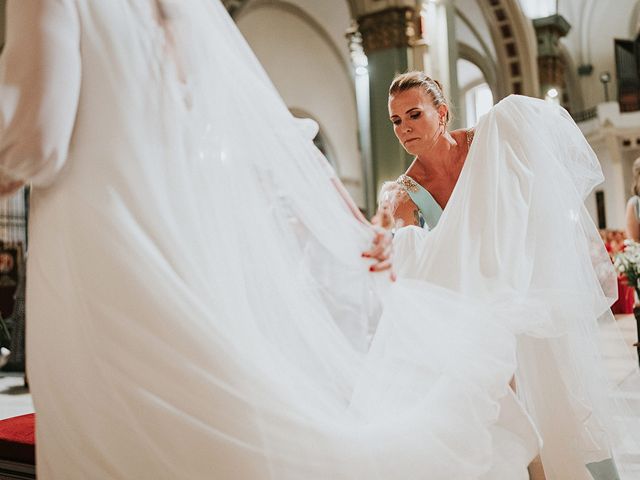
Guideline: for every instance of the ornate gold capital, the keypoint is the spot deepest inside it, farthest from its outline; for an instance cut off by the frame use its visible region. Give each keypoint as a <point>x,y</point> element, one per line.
<point>391,28</point>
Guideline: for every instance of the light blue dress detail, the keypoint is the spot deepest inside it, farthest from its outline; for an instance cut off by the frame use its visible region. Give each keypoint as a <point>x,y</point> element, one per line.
<point>429,208</point>
<point>604,470</point>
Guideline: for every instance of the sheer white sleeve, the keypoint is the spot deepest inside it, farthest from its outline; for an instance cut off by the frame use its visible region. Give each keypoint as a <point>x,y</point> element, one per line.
<point>39,88</point>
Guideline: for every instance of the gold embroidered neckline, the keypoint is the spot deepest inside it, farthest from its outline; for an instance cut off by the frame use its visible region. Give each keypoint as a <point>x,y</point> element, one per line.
<point>408,183</point>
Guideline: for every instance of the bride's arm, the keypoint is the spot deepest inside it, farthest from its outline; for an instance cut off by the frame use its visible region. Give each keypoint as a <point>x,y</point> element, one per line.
<point>351,205</point>
<point>380,249</point>
<point>39,88</point>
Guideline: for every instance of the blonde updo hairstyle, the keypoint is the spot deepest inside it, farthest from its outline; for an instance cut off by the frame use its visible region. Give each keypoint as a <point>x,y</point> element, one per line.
<point>635,186</point>
<point>407,81</point>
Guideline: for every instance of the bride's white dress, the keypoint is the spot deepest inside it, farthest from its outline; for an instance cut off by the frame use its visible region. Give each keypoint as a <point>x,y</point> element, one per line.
<point>197,304</point>
<point>516,233</point>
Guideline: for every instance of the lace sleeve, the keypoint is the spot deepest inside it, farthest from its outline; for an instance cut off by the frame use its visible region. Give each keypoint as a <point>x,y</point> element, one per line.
<point>39,88</point>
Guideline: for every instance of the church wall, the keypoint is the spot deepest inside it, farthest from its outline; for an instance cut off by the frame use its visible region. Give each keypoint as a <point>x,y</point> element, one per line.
<point>595,24</point>
<point>614,188</point>
<point>615,138</point>
<point>312,74</point>
<point>468,11</point>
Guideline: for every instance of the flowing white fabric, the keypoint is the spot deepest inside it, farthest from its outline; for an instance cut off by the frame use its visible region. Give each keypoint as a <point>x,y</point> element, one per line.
<point>197,304</point>
<point>516,233</point>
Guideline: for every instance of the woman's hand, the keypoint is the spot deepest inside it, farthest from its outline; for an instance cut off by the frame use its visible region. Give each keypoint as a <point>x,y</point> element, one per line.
<point>382,244</point>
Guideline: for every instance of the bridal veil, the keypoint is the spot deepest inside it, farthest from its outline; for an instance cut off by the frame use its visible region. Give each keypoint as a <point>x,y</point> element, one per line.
<point>197,304</point>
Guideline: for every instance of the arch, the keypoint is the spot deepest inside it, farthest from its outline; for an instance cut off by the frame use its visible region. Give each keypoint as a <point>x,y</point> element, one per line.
<point>284,6</point>
<point>516,47</point>
<point>283,35</point>
<point>486,66</point>
<point>328,149</point>
<point>235,7</point>
<point>483,60</point>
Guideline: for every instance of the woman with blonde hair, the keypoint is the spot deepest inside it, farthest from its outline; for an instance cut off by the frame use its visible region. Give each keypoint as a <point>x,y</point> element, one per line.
<point>496,198</point>
<point>633,205</point>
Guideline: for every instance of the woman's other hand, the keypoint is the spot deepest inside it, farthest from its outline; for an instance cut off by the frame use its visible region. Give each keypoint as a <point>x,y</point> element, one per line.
<point>382,244</point>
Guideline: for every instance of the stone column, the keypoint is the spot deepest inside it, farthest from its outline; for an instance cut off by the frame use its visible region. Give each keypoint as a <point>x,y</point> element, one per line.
<point>551,67</point>
<point>441,60</point>
<point>359,62</point>
<point>387,38</point>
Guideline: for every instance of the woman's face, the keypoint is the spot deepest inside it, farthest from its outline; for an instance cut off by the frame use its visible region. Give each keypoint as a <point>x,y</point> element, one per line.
<point>416,122</point>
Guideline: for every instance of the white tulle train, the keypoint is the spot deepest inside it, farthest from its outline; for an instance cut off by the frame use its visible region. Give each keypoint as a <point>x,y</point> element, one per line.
<point>197,304</point>
<point>516,234</point>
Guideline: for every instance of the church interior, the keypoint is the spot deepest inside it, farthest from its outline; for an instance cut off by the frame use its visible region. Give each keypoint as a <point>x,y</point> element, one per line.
<point>333,61</point>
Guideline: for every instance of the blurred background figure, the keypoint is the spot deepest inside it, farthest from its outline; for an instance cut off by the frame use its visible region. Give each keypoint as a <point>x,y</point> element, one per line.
<point>633,206</point>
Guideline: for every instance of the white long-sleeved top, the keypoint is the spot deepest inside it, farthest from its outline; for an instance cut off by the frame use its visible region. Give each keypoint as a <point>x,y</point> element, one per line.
<point>39,88</point>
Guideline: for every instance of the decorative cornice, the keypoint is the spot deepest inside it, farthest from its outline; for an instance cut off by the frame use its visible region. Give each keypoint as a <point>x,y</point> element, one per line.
<point>554,22</point>
<point>515,43</point>
<point>549,30</point>
<point>396,27</point>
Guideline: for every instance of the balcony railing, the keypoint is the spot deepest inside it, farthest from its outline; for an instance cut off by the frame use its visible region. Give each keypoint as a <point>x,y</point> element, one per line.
<point>585,115</point>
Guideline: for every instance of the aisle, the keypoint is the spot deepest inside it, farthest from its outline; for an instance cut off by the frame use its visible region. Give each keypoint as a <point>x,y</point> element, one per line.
<point>16,400</point>
<point>621,370</point>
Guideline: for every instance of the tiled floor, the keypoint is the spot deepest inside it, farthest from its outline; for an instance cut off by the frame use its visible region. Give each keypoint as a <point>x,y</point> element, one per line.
<point>16,400</point>
<point>14,397</point>
<point>623,368</point>
<point>620,364</point>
